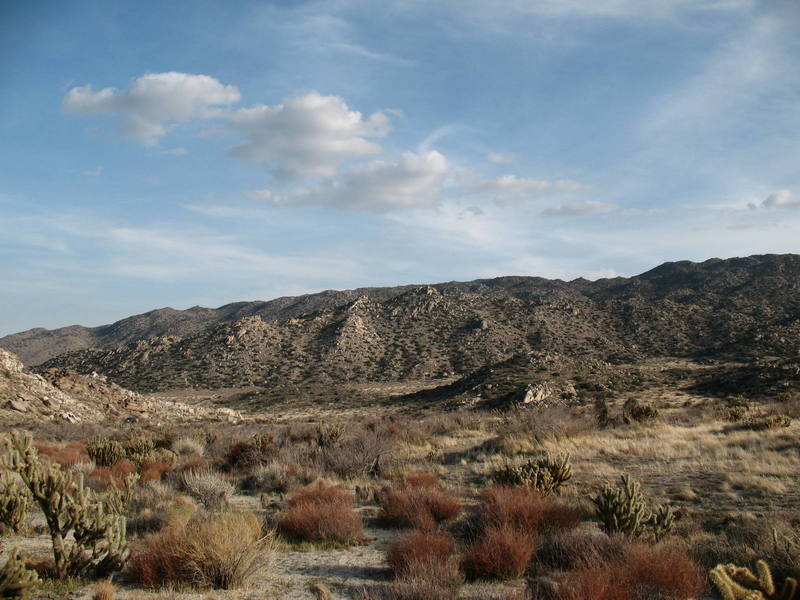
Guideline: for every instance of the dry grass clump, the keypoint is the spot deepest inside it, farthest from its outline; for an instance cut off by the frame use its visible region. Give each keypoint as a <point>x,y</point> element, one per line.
<point>526,510</point>
<point>357,456</point>
<point>661,571</point>
<point>426,580</point>
<point>499,553</point>
<point>153,504</point>
<point>279,475</point>
<point>417,501</point>
<point>746,539</point>
<point>211,489</point>
<point>211,550</point>
<point>103,590</point>
<point>415,549</point>
<point>188,447</point>
<point>321,513</point>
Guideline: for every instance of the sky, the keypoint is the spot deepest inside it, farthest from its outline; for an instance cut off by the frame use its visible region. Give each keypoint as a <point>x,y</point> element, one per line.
<point>198,153</point>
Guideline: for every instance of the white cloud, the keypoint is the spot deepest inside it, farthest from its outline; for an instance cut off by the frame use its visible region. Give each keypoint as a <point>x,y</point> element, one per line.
<point>579,209</point>
<point>781,199</point>
<point>151,101</point>
<point>306,136</point>
<point>176,151</point>
<point>511,189</point>
<point>414,180</point>
<point>96,172</point>
<point>499,158</point>
<point>260,195</point>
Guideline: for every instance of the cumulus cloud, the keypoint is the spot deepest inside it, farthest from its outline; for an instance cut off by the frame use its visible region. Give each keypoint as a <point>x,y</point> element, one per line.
<point>579,209</point>
<point>414,180</point>
<point>781,199</point>
<point>152,101</point>
<point>510,189</point>
<point>306,136</point>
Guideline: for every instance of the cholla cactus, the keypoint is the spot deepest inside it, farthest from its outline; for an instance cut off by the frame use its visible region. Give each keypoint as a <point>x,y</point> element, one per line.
<point>139,449</point>
<point>546,474</point>
<point>15,502</point>
<point>87,533</point>
<point>740,583</point>
<point>622,509</point>
<point>661,521</point>
<point>16,581</point>
<point>105,452</point>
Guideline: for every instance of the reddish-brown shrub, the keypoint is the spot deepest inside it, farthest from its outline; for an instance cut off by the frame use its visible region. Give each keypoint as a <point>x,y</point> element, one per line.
<point>154,471</point>
<point>322,522</point>
<point>321,493</point>
<point>526,510</point>
<point>121,469</point>
<point>420,506</point>
<point>499,553</point>
<point>643,572</point>
<point>413,551</point>
<point>421,479</point>
<point>64,454</point>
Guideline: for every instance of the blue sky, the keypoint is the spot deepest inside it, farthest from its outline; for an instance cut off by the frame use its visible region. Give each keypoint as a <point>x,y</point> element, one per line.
<point>181,153</point>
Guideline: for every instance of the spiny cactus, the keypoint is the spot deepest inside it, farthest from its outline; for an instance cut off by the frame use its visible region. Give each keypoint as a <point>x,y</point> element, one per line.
<point>740,583</point>
<point>15,502</point>
<point>16,581</point>
<point>87,535</point>
<point>622,508</point>
<point>138,449</point>
<point>105,452</point>
<point>546,474</point>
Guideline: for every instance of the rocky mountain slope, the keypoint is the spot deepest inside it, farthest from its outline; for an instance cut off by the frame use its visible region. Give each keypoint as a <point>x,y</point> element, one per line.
<point>62,395</point>
<point>740,309</point>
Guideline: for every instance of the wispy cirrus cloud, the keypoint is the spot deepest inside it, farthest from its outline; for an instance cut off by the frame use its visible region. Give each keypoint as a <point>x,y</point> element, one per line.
<point>580,209</point>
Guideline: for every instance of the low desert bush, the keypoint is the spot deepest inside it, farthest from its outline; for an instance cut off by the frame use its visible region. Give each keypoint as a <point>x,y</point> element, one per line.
<point>418,501</point>
<point>321,513</point>
<point>64,454</point>
<point>579,548</point>
<point>359,455</point>
<point>103,590</point>
<point>525,510</point>
<point>412,551</point>
<point>279,475</point>
<point>211,489</point>
<point>644,571</point>
<point>153,504</point>
<point>188,447</point>
<point>217,550</point>
<point>499,553</point>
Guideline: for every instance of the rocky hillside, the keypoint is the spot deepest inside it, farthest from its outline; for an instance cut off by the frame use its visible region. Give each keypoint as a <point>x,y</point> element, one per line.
<point>62,395</point>
<point>742,309</point>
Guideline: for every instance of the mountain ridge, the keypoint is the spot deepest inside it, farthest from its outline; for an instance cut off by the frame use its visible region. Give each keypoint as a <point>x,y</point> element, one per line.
<point>742,308</point>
